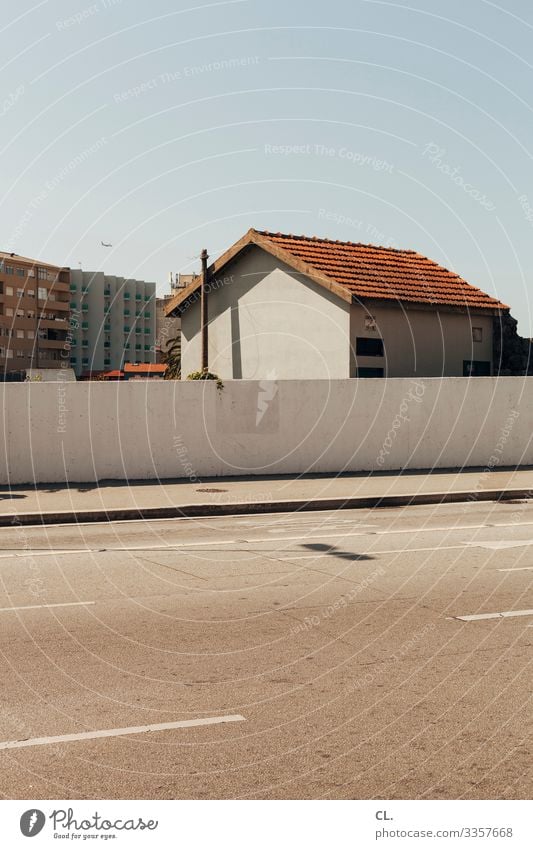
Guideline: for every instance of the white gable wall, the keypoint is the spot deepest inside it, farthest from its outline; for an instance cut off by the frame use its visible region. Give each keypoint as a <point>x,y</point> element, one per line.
<point>268,321</point>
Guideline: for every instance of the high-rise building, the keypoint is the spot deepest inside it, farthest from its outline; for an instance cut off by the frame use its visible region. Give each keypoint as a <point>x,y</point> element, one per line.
<point>34,314</point>
<point>115,318</point>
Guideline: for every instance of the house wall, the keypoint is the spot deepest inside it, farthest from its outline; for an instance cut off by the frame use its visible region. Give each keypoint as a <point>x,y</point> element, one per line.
<point>421,342</point>
<point>268,321</point>
<point>86,431</point>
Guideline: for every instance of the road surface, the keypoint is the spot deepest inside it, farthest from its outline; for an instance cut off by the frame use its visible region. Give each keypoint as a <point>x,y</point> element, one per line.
<point>356,654</point>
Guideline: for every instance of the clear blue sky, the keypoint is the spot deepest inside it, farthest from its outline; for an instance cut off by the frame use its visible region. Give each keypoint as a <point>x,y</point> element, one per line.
<point>168,126</point>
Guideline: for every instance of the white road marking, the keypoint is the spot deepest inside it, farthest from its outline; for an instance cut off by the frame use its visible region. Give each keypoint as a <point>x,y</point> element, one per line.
<point>198,543</point>
<point>505,615</point>
<point>500,545</point>
<point>120,732</point>
<point>518,569</point>
<point>46,606</point>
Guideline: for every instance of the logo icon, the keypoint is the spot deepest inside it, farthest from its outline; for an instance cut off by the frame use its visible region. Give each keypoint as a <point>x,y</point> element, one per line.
<point>32,822</point>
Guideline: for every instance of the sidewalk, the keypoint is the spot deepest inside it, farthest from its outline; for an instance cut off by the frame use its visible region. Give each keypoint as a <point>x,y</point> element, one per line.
<point>119,500</point>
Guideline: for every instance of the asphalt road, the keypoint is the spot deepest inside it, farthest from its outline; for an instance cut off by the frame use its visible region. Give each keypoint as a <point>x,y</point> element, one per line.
<point>330,643</point>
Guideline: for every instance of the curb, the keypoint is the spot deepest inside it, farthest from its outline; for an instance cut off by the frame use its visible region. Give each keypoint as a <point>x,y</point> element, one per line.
<point>192,511</point>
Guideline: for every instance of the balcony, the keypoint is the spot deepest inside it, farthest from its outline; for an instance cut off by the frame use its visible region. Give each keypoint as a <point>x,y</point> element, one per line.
<point>85,325</point>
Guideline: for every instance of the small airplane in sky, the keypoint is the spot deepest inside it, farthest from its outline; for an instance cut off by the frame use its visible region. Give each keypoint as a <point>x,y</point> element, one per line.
<point>106,245</point>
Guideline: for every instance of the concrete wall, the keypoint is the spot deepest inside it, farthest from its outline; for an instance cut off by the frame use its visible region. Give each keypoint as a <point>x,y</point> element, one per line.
<point>149,429</point>
<point>266,320</point>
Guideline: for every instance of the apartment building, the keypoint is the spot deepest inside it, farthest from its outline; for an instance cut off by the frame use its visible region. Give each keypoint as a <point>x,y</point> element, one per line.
<point>34,314</point>
<point>115,321</point>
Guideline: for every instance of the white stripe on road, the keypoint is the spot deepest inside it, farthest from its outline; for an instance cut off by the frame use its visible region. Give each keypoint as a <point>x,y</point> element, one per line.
<point>500,545</point>
<point>46,606</point>
<point>120,732</point>
<point>197,543</point>
<point>504,615</point>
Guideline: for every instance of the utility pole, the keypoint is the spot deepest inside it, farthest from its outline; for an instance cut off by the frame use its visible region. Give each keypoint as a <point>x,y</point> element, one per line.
<point>204,316</point>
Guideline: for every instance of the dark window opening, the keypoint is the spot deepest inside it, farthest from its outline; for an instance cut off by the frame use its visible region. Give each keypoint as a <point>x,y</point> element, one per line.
<point>476,368</point>
<point>370,372</point>
<point>366,347</point>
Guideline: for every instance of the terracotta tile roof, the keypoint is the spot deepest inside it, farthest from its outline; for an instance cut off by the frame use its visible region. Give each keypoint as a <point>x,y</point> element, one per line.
<point>145,368</point>
<point>368,271</point>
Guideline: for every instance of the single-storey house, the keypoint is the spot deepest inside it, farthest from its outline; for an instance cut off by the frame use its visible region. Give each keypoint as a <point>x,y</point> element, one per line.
<point>283,306</point>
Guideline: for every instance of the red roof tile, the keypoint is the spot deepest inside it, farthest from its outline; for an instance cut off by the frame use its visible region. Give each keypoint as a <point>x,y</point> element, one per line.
<point>368,271</point>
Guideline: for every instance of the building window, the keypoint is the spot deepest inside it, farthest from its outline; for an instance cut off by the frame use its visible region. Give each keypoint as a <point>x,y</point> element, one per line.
<point>477,334</point>
<point>365,347</point>
<point>30,334</point>
<point>9,311</point>
<point>20,334</point>
<point>9,290</point>
<point>370,322</point>
<point>19,271</point>
<point>9,269</point>
<point>20,293</point>
<point>41,273</point>
<point>476,368</point>
<point>42,293</point>
<point>20,354</point>
<point>370,372</point>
